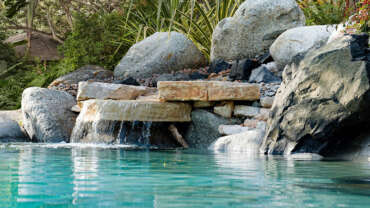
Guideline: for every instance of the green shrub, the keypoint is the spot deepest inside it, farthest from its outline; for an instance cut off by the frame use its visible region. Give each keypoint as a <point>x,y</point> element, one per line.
<point>324,12</point>
<point>96,39</point>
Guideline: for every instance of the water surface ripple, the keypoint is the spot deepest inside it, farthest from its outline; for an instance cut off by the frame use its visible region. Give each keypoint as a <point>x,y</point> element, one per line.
<point>33,175</point>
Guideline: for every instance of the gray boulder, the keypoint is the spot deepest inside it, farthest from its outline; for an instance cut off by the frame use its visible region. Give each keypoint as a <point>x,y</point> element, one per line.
<point>46,114</point>
<point>160,53</point>
<point>323,104</point>
<point>262,74</point>
<point>299,40</point>
<point>204,128</point>
<point>10,130</point>
<point>253,28</point>
<point>85,73</point>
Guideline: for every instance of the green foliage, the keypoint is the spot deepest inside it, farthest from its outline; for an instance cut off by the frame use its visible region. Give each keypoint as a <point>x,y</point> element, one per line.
<point>323,12</point>
<point>96,39</point>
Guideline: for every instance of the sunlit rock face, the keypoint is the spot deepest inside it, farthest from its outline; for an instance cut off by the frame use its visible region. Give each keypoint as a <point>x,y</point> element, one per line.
<point>207,91</point>
<point>159,53</point>
<point>299,40</point>
<point>46,114</point>
<point>253,28</point>
<point>323,102</point>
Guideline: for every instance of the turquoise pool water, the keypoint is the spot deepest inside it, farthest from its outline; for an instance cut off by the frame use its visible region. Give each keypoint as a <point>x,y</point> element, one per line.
<point>34,175</point>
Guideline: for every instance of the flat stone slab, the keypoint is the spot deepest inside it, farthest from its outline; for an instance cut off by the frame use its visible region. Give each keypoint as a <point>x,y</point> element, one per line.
<point>134,110</point>
<point>108,91</point>
<point>207,91</point>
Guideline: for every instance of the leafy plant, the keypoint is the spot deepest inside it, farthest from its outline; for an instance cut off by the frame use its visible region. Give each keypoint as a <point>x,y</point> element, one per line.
<point>323,12</point>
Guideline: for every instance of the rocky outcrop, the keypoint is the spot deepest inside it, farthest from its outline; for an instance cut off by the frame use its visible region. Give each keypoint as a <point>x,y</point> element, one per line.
<point>299,41</point>
<point>46,114</point>
<point>160,53</point>
<point>10,129</point>
<point>203,129</point>
<point>105,91</point>
<point>207,91</point>
<point>323,102</point>
<point>247,142</point>
<point>253,28</point>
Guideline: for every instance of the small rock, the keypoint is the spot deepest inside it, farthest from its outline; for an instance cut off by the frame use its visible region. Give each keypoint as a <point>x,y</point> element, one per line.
<point>267,102</point>
<point>262,74</point>
<point>252,112</point>
<point>225,109</point>
<point>305,156</point>
<point>254,124</point>
<point>76,109</point>
<point>232,129</point>
<point>218,65</point>
<point>246,142</point>
<point>203,129</point>
<point>241,70</point>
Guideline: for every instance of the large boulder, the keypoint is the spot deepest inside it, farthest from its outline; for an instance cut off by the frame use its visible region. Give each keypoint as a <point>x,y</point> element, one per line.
<point>160,53</point>
<point>10,129</point>
<point>46,114</point>
<point>323,102</point>
<point>204,128</point>
<point>299,41</point>
<point>253,28</point>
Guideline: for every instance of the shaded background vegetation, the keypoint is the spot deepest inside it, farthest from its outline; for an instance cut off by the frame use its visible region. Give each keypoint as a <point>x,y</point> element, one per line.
<point>101,31</point>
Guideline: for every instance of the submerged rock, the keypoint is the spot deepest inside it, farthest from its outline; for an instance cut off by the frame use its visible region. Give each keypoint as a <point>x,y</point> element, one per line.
<point>203,129</point>
<point>46,114</point>
<point>160,53</point>
<point>246,142</point>
<point>299,40</point>
<point>10,129</point>
<point>253,28</point>
<point>323,102</point>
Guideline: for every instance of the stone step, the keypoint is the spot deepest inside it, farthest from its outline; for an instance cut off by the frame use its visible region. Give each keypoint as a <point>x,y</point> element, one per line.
<point>108,91</point>
<point>135,110</point>
<point>207,91</point>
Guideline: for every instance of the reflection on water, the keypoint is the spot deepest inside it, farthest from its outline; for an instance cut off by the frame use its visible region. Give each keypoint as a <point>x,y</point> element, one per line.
<point>88,176</point>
